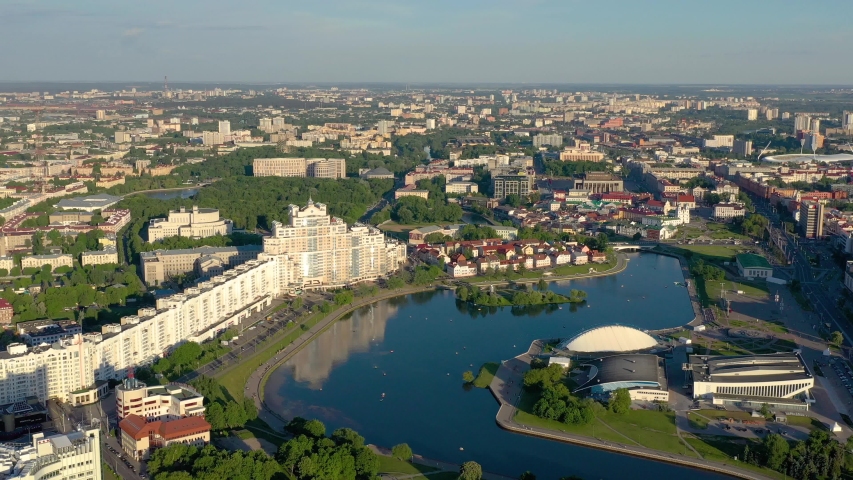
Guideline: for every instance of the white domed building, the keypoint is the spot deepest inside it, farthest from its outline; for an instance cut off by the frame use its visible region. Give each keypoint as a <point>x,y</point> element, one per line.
<point>609,338</point>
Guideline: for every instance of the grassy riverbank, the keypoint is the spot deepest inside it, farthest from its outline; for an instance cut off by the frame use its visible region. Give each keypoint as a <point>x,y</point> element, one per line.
<point>234,380</point>
<point>647,428</point>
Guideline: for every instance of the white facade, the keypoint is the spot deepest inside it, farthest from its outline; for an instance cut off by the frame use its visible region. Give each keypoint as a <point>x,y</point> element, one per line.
<point>195,223</point>
<point>318,249</point>
<point>73,455</point>
<point>315,250</point>
<point>610,338</point>
<point>45,372</point>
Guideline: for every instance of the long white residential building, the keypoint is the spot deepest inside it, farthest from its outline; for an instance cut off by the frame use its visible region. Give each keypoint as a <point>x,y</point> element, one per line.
<point>314,250</point>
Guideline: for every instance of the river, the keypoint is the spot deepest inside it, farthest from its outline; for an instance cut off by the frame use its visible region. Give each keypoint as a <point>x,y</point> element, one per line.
<point>415,348</point>
<point>170,194</point>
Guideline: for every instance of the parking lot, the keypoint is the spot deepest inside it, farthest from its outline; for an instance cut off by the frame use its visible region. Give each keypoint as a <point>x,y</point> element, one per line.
<point>839,373</point>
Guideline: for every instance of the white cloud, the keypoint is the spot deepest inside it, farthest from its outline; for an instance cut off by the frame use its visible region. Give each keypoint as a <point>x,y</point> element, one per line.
<point>133,32</point>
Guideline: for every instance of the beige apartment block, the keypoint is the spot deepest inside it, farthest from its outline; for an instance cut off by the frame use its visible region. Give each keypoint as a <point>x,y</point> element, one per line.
<point>161,265</point>
<point>99,257</point>
<point>55,261</point>
<point>300,167</point>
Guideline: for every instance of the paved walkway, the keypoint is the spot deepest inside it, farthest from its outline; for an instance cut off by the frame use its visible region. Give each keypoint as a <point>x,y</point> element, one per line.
<point>441,466</point>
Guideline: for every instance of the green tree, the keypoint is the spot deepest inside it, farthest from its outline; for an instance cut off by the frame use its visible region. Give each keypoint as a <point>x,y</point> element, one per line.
<point>836,338</point>
<point>620,401</point>
<point>250,409</point>
<point>344,297</point>
<point>468,376</point>
<point>402,451</point>
<point>775,449</point>
<point>315,428</point>
<point>297,303</point>
<point>395,283</point>
<point>235,416</point>
<point>347,436</point>
<point>291,451</point>
<point>470,471</point>
<point>527,476</point>
<point>215,416</point>
<point>543,285</point>
<point>462,293</point>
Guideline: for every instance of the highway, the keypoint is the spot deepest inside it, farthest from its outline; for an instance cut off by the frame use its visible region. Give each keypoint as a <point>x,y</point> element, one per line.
<point>820,296</point>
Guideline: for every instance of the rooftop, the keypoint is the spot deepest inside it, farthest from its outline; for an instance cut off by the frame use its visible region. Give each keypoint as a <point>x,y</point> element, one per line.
<point>610,338</point>
<point>750,260</point>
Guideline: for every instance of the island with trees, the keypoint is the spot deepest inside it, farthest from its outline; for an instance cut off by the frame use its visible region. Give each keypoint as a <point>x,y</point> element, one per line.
<point>518,296</point>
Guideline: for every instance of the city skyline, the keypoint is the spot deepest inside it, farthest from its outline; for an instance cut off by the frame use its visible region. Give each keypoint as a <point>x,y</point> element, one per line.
<point>561,42</point>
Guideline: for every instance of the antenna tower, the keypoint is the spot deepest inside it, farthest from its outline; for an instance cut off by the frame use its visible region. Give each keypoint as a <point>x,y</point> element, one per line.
<point>166,83</point>
<point>39,151</point>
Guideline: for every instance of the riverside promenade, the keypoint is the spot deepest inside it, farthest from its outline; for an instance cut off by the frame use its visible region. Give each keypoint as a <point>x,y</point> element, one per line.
<point>255,383</point>
<point>507,386</point>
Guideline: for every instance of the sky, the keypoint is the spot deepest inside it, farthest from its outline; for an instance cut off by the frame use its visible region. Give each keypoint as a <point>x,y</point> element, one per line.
<point>429,41</point>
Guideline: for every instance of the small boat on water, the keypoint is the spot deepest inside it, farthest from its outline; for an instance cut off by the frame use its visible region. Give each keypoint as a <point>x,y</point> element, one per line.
<point>383,394</point>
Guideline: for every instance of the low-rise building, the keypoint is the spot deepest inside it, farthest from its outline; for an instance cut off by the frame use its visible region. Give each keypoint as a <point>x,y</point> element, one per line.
<point>91,203</point>
<point>139,438</point>
<point>753,266</point>
<point>99,257</point>
<point>779,380</point>
<point>55,260</point>
<point>160,265</point>
<point>158,402</point>
<point>461,187</point>
<point>728,210</point>
<point>410,191</point>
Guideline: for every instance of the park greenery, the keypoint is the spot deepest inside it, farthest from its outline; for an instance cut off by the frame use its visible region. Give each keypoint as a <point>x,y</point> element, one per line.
<point>558,168</point>
<point>556,402</point>
<point>409,209</point>
<point>84,293</point>
<point>42,243</point>
<point>819,456</point>
<point>311,455</point>
<point>180,461</point>
<point>474,294</point>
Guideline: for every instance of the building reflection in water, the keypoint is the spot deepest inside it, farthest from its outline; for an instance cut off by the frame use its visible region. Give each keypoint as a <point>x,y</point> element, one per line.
<point>315,361</point>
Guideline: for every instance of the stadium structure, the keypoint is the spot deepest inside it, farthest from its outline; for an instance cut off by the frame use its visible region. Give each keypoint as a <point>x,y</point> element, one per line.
<point>780,380</point>
<point>617,356</point>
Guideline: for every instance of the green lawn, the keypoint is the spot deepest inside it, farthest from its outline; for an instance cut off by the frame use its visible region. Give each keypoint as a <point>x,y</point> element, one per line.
<point>578,269</point>
<point>756,289</point>
<point>724,449</point>
<point>234,380</point>
<point>108,473</point>
<point>715,253</point>
<point>653,429</point>
<point>393,465</point>
<point>697,421</point>
<point>486,374</point>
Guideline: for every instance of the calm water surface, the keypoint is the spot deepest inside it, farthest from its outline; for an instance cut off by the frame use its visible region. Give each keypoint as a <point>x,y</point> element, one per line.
<point>185,193</point>
<point>415,348</point>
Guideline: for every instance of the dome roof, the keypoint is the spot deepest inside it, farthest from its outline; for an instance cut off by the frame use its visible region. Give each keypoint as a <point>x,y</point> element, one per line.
<point>610,338</point>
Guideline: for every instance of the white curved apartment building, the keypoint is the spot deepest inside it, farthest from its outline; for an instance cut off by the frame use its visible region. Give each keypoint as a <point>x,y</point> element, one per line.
<point>315,250</point>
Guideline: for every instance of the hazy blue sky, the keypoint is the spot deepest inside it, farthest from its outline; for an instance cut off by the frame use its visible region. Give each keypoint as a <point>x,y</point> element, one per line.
<point>592,41</point>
